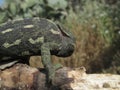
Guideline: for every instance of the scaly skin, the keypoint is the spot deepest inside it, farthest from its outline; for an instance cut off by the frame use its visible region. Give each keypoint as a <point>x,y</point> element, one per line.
<point>21,39</point>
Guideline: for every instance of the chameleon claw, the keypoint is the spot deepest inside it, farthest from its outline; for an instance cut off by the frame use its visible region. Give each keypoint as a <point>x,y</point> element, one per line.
<point>58,66</point>
<point>51,73</point>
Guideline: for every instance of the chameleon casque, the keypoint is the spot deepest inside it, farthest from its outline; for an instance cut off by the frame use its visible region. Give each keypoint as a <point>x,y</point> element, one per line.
<point>20,39</point>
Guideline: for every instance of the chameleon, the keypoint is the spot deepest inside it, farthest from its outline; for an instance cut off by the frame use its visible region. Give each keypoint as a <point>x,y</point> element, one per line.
<point>21,39</point>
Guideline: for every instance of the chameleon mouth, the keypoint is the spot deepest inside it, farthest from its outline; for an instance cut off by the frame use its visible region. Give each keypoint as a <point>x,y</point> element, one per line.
<point>71,50</point>
<point>66,51</point>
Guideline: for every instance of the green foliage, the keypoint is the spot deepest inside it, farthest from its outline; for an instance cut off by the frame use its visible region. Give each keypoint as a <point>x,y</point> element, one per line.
<point>95,23</point>
<point>99,13</point>
<point>98,35</point>
<point>53,9</point>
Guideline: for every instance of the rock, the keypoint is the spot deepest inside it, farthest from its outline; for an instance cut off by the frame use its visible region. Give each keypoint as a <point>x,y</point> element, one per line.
<point>24,77</point>
<point>83,81</point>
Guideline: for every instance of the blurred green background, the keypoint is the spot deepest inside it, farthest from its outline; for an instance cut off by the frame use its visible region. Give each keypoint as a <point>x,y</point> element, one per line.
<point>95,23</point>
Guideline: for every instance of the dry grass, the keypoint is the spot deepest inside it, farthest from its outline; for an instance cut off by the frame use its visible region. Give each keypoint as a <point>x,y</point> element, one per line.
<point>89,45</point>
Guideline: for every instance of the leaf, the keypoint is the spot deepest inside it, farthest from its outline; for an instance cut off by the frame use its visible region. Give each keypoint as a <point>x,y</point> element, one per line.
<point>23,7</point>
<point>38,9</point>
<point>2,16</point>
<point>58,4</point>
<point>40,1</point>
<point>13,8</point>
<point>30,3</point>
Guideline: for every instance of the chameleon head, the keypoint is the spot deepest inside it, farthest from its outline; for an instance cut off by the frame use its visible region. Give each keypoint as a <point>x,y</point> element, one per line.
<point>68,43</point>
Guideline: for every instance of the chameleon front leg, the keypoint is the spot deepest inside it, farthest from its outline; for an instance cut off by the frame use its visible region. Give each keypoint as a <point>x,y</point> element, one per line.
<point>46,60</point>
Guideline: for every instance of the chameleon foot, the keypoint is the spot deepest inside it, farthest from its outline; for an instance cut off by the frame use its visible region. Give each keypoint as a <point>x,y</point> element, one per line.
<point>51,73</point>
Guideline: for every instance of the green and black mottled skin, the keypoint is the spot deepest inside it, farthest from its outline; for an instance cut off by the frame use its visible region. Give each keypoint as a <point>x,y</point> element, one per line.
<point>23,38</point>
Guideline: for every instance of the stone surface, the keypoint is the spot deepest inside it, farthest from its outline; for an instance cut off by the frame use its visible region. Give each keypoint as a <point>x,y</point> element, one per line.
<point>83,81</point>
<point>23,77</point>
